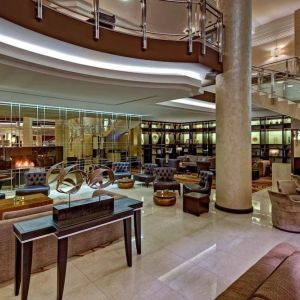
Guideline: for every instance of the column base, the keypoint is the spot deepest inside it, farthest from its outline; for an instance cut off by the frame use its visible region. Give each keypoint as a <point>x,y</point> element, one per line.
<point>234,211</point>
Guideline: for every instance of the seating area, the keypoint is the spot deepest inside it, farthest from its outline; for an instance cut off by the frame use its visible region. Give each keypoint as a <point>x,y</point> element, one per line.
<point>149,150</point>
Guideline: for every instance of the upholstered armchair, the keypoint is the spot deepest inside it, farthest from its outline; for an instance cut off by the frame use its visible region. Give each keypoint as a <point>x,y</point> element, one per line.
<point>121,170</point>
<point>287,187</point>
<point>148,175</point>
<point>164,179</point>
<point>202,166</point>
<point>174,163</point>
<point>161,162</point>
<point>35,183</point>
<point>285,211</point>
<point>204,185</point>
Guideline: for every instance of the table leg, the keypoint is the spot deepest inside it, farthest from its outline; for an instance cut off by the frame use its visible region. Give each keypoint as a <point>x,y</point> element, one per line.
<point>18,261</point>
<point>137,230</point>
<point>62,256</point>
<point>127,238</point>
<point>26,268</point>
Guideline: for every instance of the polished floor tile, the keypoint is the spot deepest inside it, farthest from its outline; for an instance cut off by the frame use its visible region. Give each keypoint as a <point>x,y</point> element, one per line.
<point>183,256</point>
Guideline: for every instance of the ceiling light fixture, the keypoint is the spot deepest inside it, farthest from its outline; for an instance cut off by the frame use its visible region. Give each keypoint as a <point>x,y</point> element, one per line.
<point>192,102</point>
<point>275,52</point>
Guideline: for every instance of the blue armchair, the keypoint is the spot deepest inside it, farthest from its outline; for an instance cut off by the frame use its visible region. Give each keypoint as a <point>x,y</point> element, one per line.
<point>121,170</point>
<point>35,183</point>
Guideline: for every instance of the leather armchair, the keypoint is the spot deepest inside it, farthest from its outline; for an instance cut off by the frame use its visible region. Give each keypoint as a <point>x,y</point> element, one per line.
<point>174,163</point>
<point>285,211</point>
<point>148,175</point>
<point>35,183</point>
<point>165,180</point>
<point>161,162</point>
<point>121,169</point>
<point>204,185</point>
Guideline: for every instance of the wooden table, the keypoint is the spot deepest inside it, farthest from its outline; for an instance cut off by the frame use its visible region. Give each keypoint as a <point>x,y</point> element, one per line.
<point>28,231</point>
<point>23,202</point>
<point>164,198</point>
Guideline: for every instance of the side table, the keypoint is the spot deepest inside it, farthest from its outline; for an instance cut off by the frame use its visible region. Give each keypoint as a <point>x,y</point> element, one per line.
<point>195,203</point>
<point>125,183</point>
<point>164,198</point>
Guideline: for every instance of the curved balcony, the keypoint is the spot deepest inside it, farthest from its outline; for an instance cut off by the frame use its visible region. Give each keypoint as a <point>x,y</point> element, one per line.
<point>89,27</point>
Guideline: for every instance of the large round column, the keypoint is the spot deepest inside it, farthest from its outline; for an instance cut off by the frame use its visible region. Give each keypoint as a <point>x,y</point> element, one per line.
<point>233,111</point>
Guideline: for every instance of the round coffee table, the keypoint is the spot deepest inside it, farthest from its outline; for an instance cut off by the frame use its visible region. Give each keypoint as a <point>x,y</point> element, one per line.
<point>125,183</point>
<point>164,198</point>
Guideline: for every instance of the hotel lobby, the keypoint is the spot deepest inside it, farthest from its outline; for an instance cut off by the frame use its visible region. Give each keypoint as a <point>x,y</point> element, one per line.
<point>149,149</point>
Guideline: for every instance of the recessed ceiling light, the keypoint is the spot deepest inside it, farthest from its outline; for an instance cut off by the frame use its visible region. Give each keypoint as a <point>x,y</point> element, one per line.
<point>192,102</point>
<point>290,85</point>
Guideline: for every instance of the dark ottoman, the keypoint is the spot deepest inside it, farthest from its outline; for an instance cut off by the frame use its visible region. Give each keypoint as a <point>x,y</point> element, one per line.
<point>195,203</point>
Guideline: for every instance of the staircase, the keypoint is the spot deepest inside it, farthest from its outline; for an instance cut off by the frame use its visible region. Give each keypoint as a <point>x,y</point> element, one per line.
<point>276,87</point>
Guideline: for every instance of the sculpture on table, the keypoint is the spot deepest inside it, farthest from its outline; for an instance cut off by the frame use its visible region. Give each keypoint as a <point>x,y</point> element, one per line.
<point>70,180</point>
<point>100,178</point>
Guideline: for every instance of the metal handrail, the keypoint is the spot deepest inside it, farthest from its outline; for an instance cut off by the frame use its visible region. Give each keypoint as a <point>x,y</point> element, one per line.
<point>198,7</point>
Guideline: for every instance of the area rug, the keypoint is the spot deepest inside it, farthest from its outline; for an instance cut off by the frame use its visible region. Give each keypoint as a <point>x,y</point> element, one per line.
<point>257,185</point>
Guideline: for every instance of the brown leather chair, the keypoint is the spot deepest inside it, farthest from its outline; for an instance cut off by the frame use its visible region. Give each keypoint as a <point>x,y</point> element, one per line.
<point>174,163</point>
<point>161,162</point>
<point>165,180</point>
<point>204,185</point>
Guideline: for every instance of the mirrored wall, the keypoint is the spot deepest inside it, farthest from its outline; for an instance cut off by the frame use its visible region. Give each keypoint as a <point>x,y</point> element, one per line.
<point>34,136</point>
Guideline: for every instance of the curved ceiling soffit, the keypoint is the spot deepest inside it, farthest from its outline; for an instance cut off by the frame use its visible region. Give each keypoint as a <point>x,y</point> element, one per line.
<point>34,48</point>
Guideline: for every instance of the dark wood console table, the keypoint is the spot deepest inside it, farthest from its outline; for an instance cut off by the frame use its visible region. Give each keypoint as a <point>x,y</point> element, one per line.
<point>28,231</point>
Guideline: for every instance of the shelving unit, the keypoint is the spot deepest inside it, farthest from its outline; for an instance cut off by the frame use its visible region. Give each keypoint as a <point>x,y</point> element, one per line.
<point>270,138</point>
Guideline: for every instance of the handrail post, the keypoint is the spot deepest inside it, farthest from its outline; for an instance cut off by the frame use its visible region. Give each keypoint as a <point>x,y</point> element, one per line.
<point>97,19</point>
<point>190,29</point>
<point>39,15</point>
<point>220,37</point>
<point>144,24</point>
<point>272,87</point>
<point>203,26</point>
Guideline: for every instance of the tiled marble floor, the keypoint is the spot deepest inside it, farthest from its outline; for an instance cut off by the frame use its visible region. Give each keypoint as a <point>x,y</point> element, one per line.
<point>183,256</point>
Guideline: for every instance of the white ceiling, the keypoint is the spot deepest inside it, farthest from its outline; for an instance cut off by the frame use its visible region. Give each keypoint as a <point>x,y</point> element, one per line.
<point>31,86</point>
<point>265,11</point>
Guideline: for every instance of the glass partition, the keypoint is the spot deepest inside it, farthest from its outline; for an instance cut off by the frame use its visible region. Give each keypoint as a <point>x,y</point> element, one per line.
<point>35,136</point>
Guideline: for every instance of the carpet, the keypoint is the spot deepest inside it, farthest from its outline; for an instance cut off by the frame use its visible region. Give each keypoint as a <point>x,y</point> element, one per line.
<point>257,185</point>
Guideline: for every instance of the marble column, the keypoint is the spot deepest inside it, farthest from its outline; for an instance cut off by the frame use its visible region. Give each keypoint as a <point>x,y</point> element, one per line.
<point>233,110</point>
<point>297,32</point>
<point>27,132</point>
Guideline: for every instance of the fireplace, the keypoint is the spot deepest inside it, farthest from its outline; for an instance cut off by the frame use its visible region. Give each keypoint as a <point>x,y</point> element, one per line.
<point>25,158</point>
<point>22,162</point>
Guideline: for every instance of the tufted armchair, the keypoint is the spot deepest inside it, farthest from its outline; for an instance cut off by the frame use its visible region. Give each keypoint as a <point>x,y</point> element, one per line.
<point>285,211</point>
<point>148,175</point>
<point>121,169</point>
<point>204,185</point>
<point>164,179</point>
<point>35,183</point>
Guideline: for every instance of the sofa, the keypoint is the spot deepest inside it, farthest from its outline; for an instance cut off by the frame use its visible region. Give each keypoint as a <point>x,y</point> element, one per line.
<point>191,160</point>
<point>274,277</point>
<point>44,250</point>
